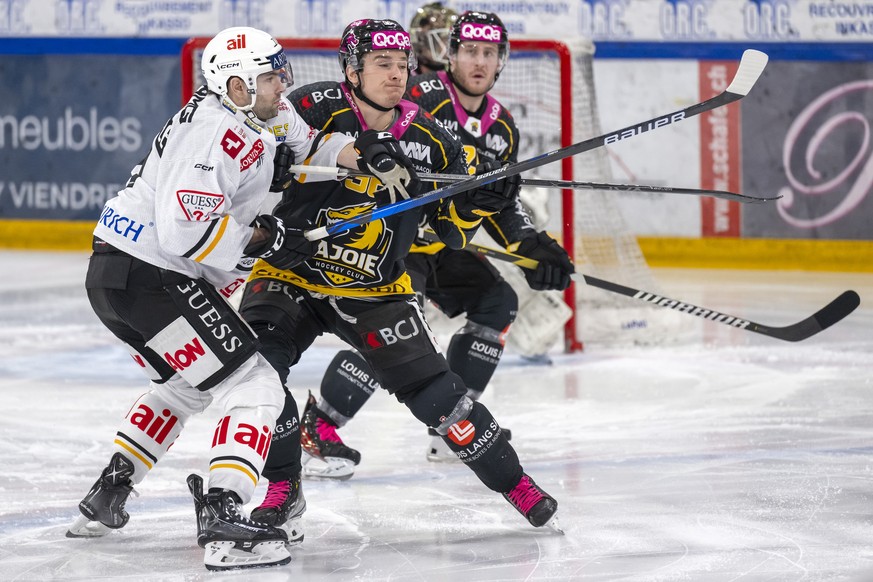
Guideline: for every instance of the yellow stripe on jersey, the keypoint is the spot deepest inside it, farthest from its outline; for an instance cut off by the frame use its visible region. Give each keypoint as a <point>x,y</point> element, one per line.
<point>221,228</point>
<point>496,227</point>
<point>334,114</point>
<point>308,161</point>
<point>439,143</point>
<point>264,270</point>
<point>456,218</point>
<point>133,452</point>
<point>440,106</point>
<point>511,143</point>
<point>236,467</point>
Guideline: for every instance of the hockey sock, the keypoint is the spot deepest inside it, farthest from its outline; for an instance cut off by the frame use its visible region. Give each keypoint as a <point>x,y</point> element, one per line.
<point>346,386</point>
<point>473,354</point>
<point>283,460</point>
<point>149,429</point>
<point>240,446</point>
<point>480,443</point>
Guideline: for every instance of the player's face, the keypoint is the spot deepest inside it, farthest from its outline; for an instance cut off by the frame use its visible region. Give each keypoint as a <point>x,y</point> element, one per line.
<point>270,88</point>
<point>475,64</point>
<point>384,77</point>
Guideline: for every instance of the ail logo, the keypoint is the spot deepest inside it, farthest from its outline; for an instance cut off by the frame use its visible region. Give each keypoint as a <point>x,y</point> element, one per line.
<point>462,432</point>
<point>154,425</point>
<point>244,434</point>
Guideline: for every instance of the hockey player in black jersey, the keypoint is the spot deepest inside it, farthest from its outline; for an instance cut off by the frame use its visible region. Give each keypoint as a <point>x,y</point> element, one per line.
<point>356,286</point>
<point>430,30</point>
<point>459,281</point>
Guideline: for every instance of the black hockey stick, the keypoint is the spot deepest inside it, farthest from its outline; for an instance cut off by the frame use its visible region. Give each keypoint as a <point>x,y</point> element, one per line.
<point>822,319</point>
<point>340,173</point>
<point>751,66</point>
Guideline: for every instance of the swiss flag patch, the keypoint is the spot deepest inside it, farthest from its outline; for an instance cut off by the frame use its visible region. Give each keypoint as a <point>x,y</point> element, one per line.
<point>197,206</point>
<point>232,144</point>
<point>462,432</point>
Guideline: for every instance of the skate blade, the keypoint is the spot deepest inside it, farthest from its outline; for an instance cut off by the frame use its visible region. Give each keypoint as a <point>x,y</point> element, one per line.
<point>224,556</point>
<point>85,528</point>
<point>333,468</point>
<point>294,528</point>
<point>553,525</point>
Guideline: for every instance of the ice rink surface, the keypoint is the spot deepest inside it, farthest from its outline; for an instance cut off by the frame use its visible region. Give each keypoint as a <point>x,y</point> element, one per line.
<point>730,456</point>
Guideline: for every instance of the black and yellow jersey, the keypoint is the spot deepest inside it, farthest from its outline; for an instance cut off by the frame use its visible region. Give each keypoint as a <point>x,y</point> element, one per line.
<point>367,260</point>
<point>487,134</point>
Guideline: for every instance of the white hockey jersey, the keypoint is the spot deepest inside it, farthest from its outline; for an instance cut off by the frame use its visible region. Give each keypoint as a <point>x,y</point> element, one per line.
<point>189,204</point>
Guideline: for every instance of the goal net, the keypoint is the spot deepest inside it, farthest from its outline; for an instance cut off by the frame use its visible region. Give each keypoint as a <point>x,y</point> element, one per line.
<point>548,86</point>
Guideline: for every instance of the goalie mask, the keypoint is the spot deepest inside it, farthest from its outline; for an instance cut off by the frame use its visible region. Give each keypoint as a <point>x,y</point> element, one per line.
<point>430,30</point>
<point>243,52</point>
<point>480,27</point>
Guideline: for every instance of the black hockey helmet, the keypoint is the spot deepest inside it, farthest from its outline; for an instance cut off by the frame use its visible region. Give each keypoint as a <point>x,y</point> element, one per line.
<point>363,36</point>
<point>474,26</point>
<point>430,30</point>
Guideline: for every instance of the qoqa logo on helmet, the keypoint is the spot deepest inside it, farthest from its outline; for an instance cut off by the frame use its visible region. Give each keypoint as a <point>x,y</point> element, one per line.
<point>474,31</point>
<point>393,40</point>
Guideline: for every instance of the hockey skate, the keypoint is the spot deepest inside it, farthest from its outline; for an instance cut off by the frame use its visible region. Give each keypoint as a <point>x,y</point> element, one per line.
<point>103,507</point>
<point>233,541</point>
<point>533,503</point>
<point>283,507</point>
<point>325,456</point>
<point>439,452</point>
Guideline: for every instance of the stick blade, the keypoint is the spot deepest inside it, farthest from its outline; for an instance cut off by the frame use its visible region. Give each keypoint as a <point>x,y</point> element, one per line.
<point>751,66</point>
<point>833,312</point>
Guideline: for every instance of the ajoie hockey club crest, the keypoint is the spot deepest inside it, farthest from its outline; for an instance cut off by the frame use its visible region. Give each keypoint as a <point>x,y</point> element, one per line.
<point>359,255</point>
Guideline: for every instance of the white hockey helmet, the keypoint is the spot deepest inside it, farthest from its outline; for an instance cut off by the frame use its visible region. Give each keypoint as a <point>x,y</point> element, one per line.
<point>244,52</point>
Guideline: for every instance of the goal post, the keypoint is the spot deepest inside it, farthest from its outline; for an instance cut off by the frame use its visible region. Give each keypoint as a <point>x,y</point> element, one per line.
<point>548,87</point>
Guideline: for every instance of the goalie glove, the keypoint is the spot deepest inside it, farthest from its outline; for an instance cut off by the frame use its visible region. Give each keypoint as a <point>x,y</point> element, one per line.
<point>554,268</point>
<point>381,155</point>
<point>283,160</point>
<point>285,246</point>
<point>490,198</point>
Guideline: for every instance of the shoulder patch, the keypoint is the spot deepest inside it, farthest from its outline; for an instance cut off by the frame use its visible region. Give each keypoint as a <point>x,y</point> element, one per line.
<point>232,144</point>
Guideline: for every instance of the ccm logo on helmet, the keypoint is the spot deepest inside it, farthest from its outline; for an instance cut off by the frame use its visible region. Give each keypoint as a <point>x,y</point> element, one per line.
<point>391,40</point>
<point>475,31</point>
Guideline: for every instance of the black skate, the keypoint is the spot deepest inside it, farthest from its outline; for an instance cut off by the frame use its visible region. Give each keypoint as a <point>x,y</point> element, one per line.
<point>283,507</point>
<point>232,540</point>
<point>325,456</point>
<point>103,507</point>
<point>535,504</point>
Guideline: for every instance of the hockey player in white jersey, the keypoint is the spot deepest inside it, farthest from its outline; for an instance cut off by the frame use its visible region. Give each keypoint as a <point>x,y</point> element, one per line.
<point>165,251</point>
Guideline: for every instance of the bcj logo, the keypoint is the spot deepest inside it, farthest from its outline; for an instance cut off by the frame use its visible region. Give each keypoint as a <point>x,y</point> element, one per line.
<point>78,16</point>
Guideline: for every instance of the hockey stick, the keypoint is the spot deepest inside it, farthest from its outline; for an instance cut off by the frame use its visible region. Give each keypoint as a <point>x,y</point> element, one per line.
<point>751,66</point>
<point>341,173</point>
<point>822,319</point>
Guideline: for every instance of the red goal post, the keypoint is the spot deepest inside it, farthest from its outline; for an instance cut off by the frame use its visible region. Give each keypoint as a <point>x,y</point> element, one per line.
<point>548,87</point>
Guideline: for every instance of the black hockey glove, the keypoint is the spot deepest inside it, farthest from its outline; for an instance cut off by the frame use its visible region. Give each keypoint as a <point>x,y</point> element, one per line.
<point>286,246</point>
<point>490,198</point>
<point>282,176</point>
<point>554,269</point>
<point>381,155</point>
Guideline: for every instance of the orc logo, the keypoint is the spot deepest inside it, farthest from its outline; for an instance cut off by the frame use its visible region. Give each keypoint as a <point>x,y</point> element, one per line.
<point>476,31</point>
<point>391,40</point>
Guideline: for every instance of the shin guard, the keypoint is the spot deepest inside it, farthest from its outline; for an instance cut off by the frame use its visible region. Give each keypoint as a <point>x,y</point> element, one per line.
<point>346,386</point>
<point>150,427</point>
<point>474,352</point>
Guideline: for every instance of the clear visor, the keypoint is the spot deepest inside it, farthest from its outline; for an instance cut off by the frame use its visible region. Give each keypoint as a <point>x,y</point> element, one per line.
<point>271,80</point>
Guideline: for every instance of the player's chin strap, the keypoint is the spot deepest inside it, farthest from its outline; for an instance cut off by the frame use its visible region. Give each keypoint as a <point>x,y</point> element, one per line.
<point>359,93</point>
<point>822,319</point>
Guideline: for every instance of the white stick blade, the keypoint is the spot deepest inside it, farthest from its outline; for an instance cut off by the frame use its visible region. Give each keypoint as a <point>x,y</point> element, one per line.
<point>751,66</point>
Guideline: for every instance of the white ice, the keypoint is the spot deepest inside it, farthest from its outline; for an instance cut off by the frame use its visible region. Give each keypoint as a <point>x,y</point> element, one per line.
<point>730,457</point>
